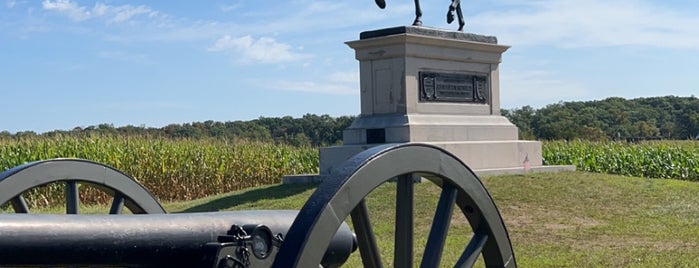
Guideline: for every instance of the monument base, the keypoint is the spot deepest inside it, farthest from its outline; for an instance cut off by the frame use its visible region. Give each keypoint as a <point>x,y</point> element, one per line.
<point>396,128</point>
<point>476,155</point>
<point>316,178</point>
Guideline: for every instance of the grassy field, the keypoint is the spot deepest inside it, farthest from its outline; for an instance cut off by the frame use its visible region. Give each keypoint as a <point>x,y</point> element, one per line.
<point>571,219</point>
<point>574,219</point>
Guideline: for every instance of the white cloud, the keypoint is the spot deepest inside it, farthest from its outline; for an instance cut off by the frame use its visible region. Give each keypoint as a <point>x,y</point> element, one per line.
<point>338,83</point>
<point>112,13</point>
<point>343,83</point>
<point>231,7</point>
<point>537,88</point>
<point>122,13</point>
<point>345,77</point>
<point>315,87</point>
<point>323,18</point>
<point>592,23</point>
<point>261,50</point>
<point>67,8</point>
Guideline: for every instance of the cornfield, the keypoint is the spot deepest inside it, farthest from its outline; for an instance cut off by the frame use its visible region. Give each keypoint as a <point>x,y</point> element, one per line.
<point>657,159</point>
<point>170,169</point>
<point>186,169</point>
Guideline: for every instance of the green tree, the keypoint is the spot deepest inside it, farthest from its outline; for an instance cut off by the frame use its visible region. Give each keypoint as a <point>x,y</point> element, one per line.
<point>522,118</point>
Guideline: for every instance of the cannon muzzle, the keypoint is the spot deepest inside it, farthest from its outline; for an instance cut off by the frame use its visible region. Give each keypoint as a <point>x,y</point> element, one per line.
<point>147,240</point>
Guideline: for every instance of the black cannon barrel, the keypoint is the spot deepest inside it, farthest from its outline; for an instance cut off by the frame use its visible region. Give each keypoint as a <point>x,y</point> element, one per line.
<point>153,240</point>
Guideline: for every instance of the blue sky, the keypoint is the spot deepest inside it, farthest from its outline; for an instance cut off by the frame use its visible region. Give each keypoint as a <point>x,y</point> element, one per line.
<point>68,63</point>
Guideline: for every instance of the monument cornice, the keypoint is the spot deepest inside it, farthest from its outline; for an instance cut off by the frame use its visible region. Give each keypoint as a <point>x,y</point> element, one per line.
<point>413,44</point>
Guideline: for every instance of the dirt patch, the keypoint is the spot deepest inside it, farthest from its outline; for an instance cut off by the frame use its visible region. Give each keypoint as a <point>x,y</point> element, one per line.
<point>517,217</point>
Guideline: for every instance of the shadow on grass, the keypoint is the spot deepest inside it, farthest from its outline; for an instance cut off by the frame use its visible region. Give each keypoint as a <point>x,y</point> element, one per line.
<point>274,192</point>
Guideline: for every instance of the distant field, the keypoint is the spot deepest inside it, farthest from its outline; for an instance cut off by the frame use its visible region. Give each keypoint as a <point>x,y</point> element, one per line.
<point>652,159</point>
<point>172,169</point>
<point>186,169</point>
<point>572,219</point>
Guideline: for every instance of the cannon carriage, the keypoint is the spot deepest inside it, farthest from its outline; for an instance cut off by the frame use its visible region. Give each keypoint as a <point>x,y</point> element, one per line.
<point>314,236</point>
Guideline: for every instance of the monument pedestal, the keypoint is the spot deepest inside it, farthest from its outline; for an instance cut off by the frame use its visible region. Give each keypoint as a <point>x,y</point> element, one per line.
<point>433,86</point>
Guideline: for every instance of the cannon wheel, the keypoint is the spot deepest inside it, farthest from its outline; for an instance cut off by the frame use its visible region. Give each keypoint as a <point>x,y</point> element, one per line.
<point>124,189</point>
<point>343,195</point>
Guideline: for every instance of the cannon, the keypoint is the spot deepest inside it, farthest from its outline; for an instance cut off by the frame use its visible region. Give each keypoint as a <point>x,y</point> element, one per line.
<point>314,236</point>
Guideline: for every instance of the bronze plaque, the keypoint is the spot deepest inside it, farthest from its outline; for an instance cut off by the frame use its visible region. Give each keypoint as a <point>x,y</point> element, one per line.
<point>451,87</point>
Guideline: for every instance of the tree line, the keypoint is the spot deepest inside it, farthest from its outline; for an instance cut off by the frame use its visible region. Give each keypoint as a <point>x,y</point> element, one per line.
<point>309,130</point>
<point>666,117</point>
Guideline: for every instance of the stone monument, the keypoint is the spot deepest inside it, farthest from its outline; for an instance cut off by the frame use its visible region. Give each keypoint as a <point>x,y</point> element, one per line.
<point>426,85</point>
<point>433,86</point>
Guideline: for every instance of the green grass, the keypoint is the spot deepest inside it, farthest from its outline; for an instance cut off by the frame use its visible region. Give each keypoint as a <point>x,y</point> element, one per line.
<point>592,220</point>
<point>572,219</point>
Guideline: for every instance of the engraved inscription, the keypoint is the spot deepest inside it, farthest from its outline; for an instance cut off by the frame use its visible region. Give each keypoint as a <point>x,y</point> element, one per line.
<point>449,87</point>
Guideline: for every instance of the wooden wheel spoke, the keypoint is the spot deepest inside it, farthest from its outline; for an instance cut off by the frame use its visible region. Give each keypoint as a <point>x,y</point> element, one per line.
<point>19,204</point>
<point>473,250</point>
<point>440,227</point>
<point>403,251</point>
<point>117,204</point>
<point>72,197</point>
<point>366,241</point>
